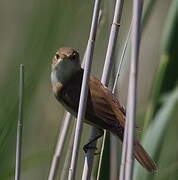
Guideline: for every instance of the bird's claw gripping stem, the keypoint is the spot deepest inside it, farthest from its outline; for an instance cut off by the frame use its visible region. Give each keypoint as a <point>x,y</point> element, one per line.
<point>90,145</point>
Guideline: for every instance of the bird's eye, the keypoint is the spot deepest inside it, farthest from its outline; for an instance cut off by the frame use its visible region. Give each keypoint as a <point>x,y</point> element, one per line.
<point>57,56</point>
<point>73,56</point>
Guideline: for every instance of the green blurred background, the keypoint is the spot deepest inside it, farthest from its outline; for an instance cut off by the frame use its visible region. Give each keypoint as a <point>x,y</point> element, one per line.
<point>30,33</point>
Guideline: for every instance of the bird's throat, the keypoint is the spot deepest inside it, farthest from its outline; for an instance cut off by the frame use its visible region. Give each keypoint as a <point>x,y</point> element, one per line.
<point>64,72</point>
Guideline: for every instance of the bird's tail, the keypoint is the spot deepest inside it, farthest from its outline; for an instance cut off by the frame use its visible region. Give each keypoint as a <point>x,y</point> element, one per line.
<point>143,158</point>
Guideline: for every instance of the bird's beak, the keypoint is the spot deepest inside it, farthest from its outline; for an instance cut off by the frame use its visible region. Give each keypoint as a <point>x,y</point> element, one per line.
<point>59,60</point>
<point>56,62</point>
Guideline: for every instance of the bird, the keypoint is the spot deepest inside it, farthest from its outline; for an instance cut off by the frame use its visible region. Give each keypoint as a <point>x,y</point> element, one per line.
<point>103,109</point>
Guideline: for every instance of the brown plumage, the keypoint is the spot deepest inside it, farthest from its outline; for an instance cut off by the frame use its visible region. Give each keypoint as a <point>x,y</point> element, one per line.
<point>103,109</point>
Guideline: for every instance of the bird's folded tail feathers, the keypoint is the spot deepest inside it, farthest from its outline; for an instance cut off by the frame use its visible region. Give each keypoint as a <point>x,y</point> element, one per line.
<point>143,158</point>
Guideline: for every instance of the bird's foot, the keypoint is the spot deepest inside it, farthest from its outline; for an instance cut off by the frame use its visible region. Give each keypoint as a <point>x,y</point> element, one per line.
<point>89,146</point>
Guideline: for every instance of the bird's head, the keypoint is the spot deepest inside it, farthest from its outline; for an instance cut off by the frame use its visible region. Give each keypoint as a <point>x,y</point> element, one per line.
<point>66,63</point>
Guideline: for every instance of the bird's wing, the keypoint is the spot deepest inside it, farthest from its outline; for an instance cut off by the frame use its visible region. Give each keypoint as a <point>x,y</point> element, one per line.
<point>105,104</point>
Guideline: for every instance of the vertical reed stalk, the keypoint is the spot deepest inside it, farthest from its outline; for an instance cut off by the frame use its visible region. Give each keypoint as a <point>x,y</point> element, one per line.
<point>19,124</point>
<point>84,91</point>
<point>109,60</point>
<point>128,144</point>
<point>121,59</point>
<point>59,147</point>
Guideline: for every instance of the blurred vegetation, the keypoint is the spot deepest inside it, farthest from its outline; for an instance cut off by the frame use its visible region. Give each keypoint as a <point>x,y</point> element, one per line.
<point>30,33</point>
<point>161,114</point>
